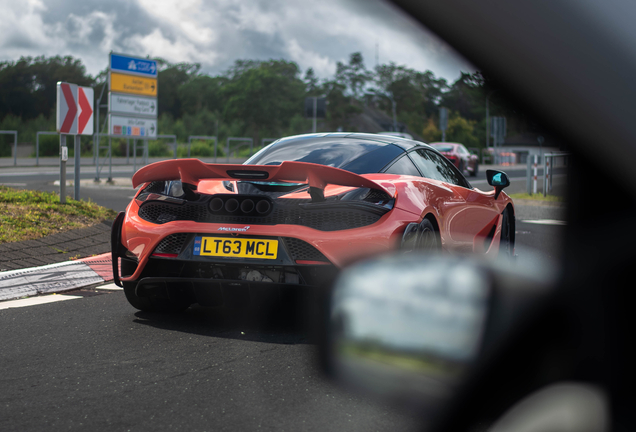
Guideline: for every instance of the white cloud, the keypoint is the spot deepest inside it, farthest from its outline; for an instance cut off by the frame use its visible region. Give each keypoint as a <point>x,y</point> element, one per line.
<point>215,33</point>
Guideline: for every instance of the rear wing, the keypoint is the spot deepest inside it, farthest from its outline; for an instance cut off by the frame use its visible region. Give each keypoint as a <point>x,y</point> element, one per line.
<point>192,171</point>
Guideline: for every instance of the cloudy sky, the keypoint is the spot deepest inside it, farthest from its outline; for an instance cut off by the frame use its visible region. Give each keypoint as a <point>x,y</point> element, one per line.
<point>215,33</point>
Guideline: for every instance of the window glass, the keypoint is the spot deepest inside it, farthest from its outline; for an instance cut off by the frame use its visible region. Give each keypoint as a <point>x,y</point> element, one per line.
<point>331,151</point>
<point>437,167</point>
<point>403,166</point>
<point>374,161</point>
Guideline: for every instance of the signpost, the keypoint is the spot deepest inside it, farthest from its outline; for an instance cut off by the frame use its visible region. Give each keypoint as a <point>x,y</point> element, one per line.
<point>132,98</point>
<point>86,96</point>
<point>132,126</point>
<point>133,65</point>
<point>315,107</point>
<point>133,84</point>
<point>498,133</point>
<point>133,105</point>
<point>443,122</point>
<point>73,116</point>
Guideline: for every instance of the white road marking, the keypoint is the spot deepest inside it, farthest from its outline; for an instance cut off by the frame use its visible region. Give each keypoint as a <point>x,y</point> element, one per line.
<point>36,301</point>
<point>50,278</point>
<point>13,184</point>
<point>545,222</point>
<point>109,287</point>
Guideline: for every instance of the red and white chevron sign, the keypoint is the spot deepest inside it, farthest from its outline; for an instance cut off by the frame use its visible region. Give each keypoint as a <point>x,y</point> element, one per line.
<point>85,108</point>
<point>66,108</point>
<point>74,109</point>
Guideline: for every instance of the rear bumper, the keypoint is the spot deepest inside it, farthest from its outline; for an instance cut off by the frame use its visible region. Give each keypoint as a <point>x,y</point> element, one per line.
<point>218,293</point>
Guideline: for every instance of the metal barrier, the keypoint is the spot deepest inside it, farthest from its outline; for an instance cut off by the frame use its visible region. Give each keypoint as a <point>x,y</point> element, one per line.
<point>173,137</point>
<point>109,153</point>
<point>15,144</point>
<point>37,145</point>
<point>548,169</point>
<point>532,171</point>
<point>250,140</point>
<point>202,138</point>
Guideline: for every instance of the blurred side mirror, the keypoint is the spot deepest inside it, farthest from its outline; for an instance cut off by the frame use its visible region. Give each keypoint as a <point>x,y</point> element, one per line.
<point>498,179</point>
<point>409,328</point>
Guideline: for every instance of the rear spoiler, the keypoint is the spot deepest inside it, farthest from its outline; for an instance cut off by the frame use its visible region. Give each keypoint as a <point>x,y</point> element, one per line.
<point>192,171</point>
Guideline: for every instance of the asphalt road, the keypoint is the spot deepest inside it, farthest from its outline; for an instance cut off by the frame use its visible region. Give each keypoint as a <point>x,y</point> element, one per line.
<point>95,363</point>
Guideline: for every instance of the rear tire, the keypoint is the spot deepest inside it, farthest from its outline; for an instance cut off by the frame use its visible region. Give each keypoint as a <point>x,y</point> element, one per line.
<point>428,238</point>
<point>148,304</point>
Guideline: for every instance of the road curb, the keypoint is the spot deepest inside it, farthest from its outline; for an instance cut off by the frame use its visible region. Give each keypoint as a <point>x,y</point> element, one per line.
<point>54,278</point>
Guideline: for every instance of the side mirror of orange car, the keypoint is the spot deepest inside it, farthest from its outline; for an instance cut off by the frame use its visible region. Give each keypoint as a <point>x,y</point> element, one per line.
<point>498,179</point>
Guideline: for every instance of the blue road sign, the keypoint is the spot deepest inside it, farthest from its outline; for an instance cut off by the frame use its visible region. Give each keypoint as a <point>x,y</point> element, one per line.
<point>127,64</point>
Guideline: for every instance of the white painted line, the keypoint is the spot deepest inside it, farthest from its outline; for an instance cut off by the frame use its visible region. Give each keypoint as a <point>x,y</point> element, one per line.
<point>36,301</point>
<point>109,287</point>
<point>545,222</point>
<point>13,184</point>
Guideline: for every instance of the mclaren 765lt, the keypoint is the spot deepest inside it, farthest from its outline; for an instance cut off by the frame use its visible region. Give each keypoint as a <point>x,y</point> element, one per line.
<point>293,215</point>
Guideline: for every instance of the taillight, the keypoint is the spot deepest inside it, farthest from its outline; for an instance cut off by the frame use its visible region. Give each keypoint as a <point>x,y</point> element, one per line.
<point>165,255</point>
<point>310,262</point>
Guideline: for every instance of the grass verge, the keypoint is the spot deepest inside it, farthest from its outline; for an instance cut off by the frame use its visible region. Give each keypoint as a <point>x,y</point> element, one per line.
<point>27,214</point>
<point>537,197</point>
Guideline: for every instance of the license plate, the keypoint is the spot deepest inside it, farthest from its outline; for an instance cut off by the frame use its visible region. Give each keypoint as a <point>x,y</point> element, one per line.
<point>235,248</point>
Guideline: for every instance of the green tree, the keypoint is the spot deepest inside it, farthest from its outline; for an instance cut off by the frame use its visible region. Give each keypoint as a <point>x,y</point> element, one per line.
<point>171,77</point>
<point>265,96</point>
<point>311,82</point>
<point>461,130</point>
<point>28,86</point>
<point>353,75</point>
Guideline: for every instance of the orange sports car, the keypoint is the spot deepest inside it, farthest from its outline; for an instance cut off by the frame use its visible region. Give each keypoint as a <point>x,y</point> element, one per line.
<point>293,215</point>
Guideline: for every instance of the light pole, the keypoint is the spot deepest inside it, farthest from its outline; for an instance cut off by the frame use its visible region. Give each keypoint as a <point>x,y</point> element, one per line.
<point>488,117</point>
<point>393,105</point>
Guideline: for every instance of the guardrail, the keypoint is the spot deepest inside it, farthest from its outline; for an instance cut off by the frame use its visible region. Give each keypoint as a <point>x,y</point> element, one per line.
<point>172,137</point>
<point>548,169</point>
<point>245,141</point>
<point>15,144</point>
<point>549,163</point>
<point>100,145</point>
<point>202,138</point>
<point>37,145</point>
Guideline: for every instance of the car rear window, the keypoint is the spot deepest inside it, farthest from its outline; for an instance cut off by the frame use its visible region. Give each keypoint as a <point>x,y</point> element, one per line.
<point>358,156</point>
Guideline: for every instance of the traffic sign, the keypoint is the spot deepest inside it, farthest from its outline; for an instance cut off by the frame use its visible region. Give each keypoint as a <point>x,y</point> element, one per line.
<point>66,108</point>
<point>132,126</point>
<point>133,84</point>
<point>135,105</point>
<point>85,97</point>
<point>133,65</point>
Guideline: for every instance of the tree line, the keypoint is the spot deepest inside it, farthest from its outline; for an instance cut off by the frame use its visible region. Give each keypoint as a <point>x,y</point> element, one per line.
<point>264,99</point>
